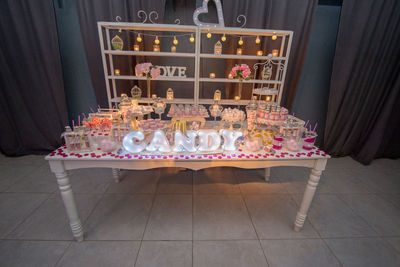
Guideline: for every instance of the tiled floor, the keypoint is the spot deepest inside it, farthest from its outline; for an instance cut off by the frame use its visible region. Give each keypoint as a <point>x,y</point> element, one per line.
<point>214,217</point>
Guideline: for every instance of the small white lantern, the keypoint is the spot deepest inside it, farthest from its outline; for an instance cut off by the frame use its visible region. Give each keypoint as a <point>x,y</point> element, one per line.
<point>170,94</point>
<point>218,48</point>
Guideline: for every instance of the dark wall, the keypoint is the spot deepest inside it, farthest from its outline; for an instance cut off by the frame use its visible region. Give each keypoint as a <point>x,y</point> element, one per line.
<point>312,95</point>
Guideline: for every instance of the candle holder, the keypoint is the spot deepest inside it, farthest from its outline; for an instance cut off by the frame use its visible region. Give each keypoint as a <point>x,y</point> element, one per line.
<point>275,52</point>
<point>173,49</point>
<point>212,75</point>
<point>117,72</point>
<point>156,48</point>
<point>136,47</point>
<point>259,53</point>
<point>239,51</point>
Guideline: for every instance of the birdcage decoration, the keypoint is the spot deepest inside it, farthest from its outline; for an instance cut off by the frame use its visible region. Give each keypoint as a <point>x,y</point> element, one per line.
<point>117,43</point>
<point>267,73</point>
<point>270,70</point>
<point>136,92</point>
<point>218,48</point>
<point>170,94</point>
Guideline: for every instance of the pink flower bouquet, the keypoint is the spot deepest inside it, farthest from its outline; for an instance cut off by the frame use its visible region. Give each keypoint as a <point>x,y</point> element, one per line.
<point>151,72</point>
<point>241,72</point>
<point>147,69</point>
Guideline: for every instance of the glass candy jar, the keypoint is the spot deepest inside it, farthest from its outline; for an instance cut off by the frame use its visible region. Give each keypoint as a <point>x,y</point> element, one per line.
<point>159,107</point>
<point>251,112</point>
<point>309,140</point>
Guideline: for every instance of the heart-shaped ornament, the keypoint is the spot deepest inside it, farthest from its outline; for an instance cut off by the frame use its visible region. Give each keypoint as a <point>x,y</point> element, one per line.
<point>204,9</point>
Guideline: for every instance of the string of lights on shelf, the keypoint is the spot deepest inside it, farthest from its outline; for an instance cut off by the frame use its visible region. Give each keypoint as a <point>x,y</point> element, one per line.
<point>157,37</point>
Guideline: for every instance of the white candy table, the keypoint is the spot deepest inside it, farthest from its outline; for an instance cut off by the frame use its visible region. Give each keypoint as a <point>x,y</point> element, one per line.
<point>60,161</point>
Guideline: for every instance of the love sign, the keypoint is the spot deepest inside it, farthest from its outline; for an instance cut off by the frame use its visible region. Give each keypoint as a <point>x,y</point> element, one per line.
<point>170,71</point>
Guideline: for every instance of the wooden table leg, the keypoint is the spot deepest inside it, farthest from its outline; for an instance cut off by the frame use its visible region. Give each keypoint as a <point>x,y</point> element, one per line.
<point>69,203</point>
<point>116,175</point>
<point>267,173</point>
<point>308,196</point>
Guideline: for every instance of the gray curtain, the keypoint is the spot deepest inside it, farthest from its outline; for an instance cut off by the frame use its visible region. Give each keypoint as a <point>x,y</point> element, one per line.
<point>92,11</point>
<point>363,116</point>
<point>33,110</point>
<point>296,16</point>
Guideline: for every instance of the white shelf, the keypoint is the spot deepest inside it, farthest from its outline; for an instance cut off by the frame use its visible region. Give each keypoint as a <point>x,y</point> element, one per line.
<point>148,53</point>
<point>227,56</point>
<point>159,78</point>
<point>225,80</point>
<point>146,100</point>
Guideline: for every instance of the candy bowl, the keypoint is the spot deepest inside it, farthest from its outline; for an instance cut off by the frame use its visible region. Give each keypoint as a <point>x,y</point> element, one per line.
<point>309,141</point>
<point>253,143</point>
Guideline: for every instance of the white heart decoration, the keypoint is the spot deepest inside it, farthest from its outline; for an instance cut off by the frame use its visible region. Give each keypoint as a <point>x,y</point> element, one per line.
<point>204,9</point>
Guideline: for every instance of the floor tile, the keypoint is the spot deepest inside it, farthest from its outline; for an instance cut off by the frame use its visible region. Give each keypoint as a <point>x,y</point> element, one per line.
<point>92,181</point>
<point>252,181</point>
<point>297,253</point>
<point>15,207</point>
<point>40,180</point>
<point>392,198</point>
<point>332,217</point>
<point>170,218</point>
<point>100,253</point>
<point>119,217</point>
<point>381,215</point>
<point>175,181</point>
<point>28,160</point>
<point>343,163</point>
<point>273,217</point>
<point>12,173</point>
<point>340,181</point>
<point>165,253</point>
<point>294,179</point>
<point>50,222</point>
<point>395,242</point>
<point>136,182</point>
<point>379,180</point>
<point>364,252</point>
<point>215,181</point>
<point>385,164</point>
<point>218,217</point>
<point>31,253</point>
<point>228,254</point>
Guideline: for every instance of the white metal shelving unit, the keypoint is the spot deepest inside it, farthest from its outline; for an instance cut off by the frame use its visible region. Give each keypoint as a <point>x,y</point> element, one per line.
<point>277,83</point>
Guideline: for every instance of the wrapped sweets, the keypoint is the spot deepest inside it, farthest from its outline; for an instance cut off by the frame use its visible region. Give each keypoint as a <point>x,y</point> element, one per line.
<point>187,111</point>
<point>152,125</point>
<point>233,115</point>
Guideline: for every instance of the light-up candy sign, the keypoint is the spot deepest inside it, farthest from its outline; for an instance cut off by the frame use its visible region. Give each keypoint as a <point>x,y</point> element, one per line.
<point>209,140</point>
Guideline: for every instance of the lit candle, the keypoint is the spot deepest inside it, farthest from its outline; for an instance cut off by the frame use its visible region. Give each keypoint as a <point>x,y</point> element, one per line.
<point>173,49</point>
<point>153,96</point>
<point>237,98</point>
<point>156,48</point>
<point>259,53</point>
<point>268,98</point>
<point>230,76</point>
<point>212,75</point>
<point>136,47</point>
<point>275,52</point>
<point>239,51</point>
<point>117,72</point>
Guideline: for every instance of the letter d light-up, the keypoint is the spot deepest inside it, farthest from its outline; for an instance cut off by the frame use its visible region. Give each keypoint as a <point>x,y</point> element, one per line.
<point>209,140</point>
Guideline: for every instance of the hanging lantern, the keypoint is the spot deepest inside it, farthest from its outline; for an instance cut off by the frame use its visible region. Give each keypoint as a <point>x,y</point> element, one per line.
<point>117,43</point>
<point>170,94</point>
<point>218,48</point>
<point>136,92</point>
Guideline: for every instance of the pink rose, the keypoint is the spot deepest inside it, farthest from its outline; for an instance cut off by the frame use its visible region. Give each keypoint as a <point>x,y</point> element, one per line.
<point>142,69</point>
<point>155,72</point>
